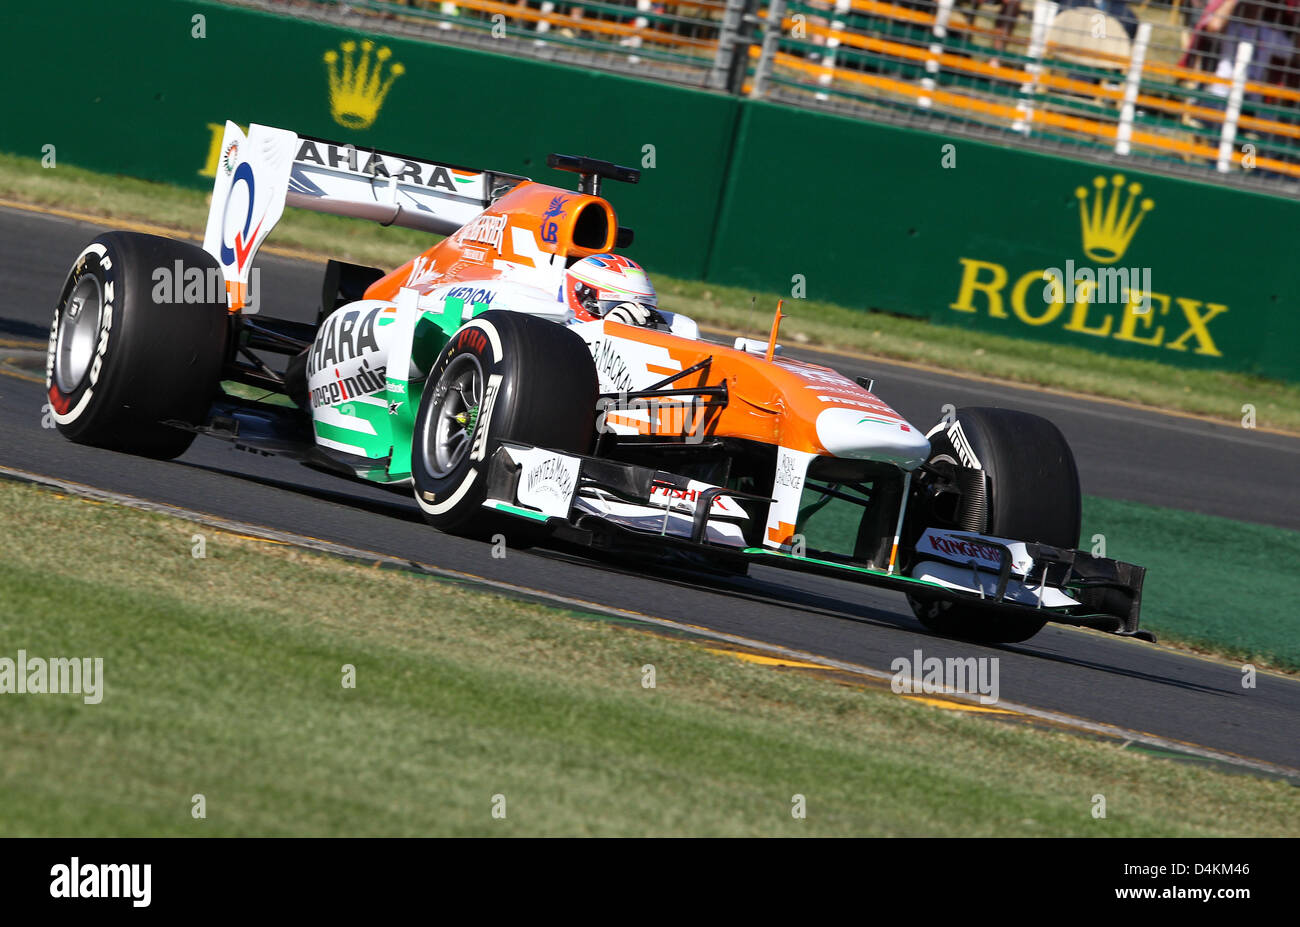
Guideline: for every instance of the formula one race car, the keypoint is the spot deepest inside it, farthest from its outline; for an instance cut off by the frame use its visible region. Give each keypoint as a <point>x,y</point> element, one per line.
<point>467,377</point>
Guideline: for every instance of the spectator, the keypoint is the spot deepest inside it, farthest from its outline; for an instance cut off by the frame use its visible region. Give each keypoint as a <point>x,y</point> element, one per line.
<point>1118,9</point>
<point>1004,23</point>
<point>1269,27</point>
<point>1201,47</point>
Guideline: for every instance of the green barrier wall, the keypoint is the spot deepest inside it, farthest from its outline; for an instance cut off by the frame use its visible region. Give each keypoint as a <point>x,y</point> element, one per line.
<point>742,193</point>
<point>872,218</point>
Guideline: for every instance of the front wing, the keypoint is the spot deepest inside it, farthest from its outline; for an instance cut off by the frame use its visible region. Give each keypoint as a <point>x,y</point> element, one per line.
<point>619,507</point>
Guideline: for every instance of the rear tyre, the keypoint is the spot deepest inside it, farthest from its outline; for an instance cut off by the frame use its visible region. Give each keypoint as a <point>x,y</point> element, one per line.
<point>1032,494</point>
<point>128,352</point>
<point>503,376</point>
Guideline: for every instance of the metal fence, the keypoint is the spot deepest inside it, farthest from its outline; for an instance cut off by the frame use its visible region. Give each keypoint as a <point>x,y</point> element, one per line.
<point>1208,88</point>
<point>674,42</point>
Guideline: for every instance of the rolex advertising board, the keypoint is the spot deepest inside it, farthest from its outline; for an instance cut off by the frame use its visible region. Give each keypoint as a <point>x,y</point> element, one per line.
<point>1022,244</point>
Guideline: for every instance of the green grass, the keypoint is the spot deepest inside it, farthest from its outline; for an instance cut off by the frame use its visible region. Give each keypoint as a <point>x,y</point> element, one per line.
<point>1212,583</point>
<point>222,677</point>
<point>1215,394</point>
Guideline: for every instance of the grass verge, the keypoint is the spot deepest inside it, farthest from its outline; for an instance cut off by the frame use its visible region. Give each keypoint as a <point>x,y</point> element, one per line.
<point>1212,583</point>
<point>1214,394</point>
<point>222,677</point>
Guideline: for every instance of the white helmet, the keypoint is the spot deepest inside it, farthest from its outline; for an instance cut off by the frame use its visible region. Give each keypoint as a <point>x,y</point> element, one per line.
<point>601,283</point>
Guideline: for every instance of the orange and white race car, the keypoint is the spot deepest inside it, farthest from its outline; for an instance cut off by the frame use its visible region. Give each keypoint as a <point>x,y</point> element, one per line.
<point>519,377</point>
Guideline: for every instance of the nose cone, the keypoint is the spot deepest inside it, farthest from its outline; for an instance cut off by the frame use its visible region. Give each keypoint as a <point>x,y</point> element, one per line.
<point>867,435</point>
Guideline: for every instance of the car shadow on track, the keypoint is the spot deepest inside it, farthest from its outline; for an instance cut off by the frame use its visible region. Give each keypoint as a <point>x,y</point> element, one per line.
<point>761,591</point>
<point>1146,676</point>
<point>14,328</point>
<point>394,508</point>
<point>742,588</point>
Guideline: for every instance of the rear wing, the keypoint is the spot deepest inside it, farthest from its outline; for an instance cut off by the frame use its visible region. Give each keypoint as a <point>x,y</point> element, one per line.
<point>258,174</point>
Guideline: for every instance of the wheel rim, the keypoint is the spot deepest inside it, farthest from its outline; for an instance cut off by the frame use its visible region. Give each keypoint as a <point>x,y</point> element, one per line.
<point>78,333</point>
<point>453,416</point>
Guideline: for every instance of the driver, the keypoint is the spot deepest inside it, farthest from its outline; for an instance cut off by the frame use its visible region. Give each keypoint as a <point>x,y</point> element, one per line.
<point>610,286</point>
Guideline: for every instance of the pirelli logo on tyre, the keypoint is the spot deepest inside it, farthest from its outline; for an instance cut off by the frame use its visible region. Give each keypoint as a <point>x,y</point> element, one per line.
<point>69,399</point>
<point>961,444</point>
<point>478,450</point>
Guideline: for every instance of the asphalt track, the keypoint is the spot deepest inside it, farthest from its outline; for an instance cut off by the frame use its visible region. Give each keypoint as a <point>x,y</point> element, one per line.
<point>1123,453</point>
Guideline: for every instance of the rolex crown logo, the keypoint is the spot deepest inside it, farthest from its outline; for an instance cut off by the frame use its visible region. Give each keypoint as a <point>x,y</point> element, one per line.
<point>1106,230</point>
<point>357,83</point>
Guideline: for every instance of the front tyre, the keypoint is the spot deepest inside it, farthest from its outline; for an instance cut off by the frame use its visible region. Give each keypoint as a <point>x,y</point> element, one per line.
<point>503,376</point>
<point>1030,493</point>
<point>129,351</point>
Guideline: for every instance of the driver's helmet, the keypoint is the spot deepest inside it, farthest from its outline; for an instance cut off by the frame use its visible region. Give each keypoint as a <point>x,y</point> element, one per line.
<point>598,283</point>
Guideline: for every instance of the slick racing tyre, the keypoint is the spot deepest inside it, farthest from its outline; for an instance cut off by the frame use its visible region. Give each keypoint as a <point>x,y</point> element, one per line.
<point>1031,494</point>
<point>138,339</point>
<point>503,376</point>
